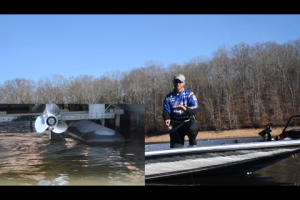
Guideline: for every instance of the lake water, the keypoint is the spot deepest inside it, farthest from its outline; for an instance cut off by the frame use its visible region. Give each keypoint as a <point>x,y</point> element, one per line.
<point>28,158</point>
<point>282,170</point>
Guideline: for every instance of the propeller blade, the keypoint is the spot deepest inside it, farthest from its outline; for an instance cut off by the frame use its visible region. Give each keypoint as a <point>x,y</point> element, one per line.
<point>52,109</point>
<point>38,108</point>
<point>40,125</point>
<point>60,127</point>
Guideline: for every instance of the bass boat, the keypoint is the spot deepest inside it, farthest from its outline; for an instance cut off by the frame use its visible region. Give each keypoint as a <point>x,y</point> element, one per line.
<point>161,161</point>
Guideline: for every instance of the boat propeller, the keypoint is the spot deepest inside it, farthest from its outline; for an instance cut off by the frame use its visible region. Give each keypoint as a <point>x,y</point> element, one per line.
<point>49,120</point>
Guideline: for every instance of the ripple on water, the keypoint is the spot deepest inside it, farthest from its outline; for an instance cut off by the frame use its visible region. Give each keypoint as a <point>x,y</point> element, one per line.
<point>28,158</point>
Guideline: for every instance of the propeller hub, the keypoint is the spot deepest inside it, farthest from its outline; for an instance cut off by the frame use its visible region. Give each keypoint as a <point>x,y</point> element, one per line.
<point>51,121</point>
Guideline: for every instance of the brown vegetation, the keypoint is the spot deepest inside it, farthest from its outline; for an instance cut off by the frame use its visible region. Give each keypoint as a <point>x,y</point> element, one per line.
<point>242,86</point>
<point>238,133</point>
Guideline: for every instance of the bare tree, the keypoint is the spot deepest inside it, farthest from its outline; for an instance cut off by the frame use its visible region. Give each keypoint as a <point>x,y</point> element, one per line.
<point>18,91</point>
<point>153,72</point>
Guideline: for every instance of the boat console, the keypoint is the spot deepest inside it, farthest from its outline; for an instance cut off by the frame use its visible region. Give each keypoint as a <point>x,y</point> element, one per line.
<point>291,130</point>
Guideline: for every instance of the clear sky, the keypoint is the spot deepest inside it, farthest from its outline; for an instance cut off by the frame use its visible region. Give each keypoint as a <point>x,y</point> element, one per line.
<point>36,46</point>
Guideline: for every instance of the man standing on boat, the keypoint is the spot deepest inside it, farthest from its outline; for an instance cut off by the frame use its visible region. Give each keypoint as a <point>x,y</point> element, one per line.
<point>179,109</point>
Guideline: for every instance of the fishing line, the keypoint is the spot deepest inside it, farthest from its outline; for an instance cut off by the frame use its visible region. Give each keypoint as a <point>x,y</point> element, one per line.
<point>93,122</point>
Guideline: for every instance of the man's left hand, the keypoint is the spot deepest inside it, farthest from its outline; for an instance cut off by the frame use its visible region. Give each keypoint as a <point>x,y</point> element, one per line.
<point>181,107</point>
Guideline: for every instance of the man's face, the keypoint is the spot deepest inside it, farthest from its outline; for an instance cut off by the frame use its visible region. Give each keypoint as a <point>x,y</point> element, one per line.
<point>178,84</point>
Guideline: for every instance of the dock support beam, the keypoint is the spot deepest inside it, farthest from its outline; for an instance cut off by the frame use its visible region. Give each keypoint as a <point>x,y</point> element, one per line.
<point>138,121</point>
<point>117,122</point>
<point>102,122</point>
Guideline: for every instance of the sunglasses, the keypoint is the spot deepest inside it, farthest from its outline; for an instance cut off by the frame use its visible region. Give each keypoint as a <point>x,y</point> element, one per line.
<point>177,81</point>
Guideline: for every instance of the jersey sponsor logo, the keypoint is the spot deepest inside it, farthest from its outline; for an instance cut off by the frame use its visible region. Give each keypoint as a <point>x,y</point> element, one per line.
<point>178,112</point>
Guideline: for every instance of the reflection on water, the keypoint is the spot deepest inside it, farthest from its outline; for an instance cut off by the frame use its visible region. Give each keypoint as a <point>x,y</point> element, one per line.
<point>285,171</point>
<point>28,158</point>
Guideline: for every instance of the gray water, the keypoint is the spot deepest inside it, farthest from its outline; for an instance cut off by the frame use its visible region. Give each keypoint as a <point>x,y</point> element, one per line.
<point>29,158</point>
<point>281,170</point>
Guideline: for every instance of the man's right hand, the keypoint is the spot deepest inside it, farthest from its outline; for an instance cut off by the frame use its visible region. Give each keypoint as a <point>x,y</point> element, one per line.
<point>168,121</point>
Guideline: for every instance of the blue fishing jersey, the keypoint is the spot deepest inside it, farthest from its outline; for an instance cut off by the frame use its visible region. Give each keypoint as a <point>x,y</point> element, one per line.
<point>186,98</point>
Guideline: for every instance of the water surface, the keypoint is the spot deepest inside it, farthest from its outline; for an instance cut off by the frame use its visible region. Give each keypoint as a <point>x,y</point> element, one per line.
<point>29,158</point>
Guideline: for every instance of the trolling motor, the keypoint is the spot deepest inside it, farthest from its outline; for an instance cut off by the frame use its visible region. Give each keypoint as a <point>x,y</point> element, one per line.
<point>266,133</point>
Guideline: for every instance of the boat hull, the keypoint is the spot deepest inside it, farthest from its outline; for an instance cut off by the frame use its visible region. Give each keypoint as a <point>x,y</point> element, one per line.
<point>92,133</point>
<point>173,162</point>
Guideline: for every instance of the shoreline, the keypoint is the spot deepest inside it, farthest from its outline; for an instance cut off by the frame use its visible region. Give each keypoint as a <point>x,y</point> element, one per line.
<point>238,133</point>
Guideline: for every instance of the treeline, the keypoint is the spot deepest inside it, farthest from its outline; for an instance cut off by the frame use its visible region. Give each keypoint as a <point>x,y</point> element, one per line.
<point>238,87</point>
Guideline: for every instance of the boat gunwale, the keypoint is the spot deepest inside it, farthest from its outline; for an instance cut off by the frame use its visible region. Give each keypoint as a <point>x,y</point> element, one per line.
<point>223,147</point>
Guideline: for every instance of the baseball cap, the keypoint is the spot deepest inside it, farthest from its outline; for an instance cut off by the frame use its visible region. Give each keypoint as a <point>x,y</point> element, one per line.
<point>179,77</point>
